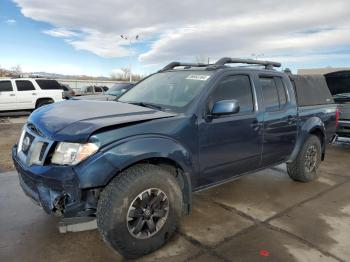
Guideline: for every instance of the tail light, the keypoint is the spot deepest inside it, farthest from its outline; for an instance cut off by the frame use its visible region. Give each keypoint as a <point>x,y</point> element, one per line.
<point>337,115</point>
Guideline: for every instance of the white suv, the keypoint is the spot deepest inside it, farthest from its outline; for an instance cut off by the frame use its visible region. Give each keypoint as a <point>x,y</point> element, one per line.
<point>28,93</point>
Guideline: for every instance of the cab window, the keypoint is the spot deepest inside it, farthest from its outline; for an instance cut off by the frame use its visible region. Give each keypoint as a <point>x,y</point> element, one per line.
<point>236,87</point>
<point>24,85</point>
<point>6,86</point>
<point>274,93</point>
<point>98,89</point>
<point>282,92</point>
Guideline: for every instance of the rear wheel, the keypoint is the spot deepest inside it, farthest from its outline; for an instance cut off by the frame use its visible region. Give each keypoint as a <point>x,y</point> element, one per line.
<point>139,210</point>
<point>304,167</point>
<point>43,102</point>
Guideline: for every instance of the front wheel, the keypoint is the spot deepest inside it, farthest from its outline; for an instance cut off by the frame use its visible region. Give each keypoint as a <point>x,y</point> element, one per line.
<point>304,167</point>
<point>139,210</point>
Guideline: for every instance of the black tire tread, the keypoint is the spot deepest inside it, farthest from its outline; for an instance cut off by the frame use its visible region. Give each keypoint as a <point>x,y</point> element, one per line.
<point>295,169</point>
<point>117,186</point>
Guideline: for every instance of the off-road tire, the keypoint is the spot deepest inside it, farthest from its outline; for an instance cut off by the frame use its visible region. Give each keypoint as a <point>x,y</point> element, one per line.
<point>297,170</point>
<point>116,199</point>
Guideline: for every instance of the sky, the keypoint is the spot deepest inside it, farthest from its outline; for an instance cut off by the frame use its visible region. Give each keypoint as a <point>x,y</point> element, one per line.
<point>83,36</point>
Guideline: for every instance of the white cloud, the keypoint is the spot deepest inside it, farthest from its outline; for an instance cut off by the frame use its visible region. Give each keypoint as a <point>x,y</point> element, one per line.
<point>193,28</point>
<point>60,32</point>
<point>102,44</point>
<point>11,21</point>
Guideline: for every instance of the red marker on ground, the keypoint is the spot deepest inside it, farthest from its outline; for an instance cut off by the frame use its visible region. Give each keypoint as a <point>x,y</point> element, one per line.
<point>264,253</point>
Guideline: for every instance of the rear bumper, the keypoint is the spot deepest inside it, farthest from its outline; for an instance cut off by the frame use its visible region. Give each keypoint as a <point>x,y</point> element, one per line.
<point>54,188</point>
<point>343,128</point>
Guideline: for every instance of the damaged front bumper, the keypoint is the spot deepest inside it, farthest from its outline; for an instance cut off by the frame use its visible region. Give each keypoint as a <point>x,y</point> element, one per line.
<point>54,188</point>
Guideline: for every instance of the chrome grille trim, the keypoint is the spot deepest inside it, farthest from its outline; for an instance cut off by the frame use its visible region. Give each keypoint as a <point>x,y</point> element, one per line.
<point>45,144</point>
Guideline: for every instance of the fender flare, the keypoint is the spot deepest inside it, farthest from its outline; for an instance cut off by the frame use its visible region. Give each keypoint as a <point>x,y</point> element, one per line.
<point>111,160</point>
<point>313,125</point>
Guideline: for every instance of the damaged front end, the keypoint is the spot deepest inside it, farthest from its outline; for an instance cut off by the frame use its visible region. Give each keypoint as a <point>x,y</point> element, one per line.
<point>59,204</point>
<point>56,189</point>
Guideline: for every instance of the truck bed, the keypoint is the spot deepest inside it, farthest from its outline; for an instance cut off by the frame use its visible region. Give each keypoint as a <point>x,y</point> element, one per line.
<point>324,112</point>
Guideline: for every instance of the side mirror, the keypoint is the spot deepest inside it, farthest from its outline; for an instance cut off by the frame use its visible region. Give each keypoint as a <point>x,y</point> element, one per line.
<point>225,107</point>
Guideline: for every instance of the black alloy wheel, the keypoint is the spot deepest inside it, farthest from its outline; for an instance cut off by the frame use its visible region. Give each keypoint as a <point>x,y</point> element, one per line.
<point>147,213</point>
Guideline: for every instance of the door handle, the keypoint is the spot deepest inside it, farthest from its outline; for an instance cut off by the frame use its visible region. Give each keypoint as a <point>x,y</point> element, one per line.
<point>12,94</point>
<point>256,125</point>
<point>34,94</point>
<point>291,119</point>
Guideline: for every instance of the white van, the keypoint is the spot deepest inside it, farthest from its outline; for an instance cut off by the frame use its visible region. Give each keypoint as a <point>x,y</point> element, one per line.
<point>28,93</point>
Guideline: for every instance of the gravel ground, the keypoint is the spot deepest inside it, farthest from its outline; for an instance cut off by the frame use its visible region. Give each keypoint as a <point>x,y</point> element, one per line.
<point>10,130</point>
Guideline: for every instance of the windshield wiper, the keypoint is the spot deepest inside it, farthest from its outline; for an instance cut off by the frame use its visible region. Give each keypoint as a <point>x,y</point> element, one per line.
<point>145,104</point>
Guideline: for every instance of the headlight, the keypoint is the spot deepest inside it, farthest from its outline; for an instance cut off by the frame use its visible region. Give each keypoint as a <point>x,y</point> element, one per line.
<point>72,153</point>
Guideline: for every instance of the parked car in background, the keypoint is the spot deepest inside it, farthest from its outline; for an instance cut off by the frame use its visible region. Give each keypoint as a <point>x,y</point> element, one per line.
<point>68,92</point>
<point>343,101</point>
<point>91,90</point>
<point>28,93</point>
<point>111,95</point>
<point>135,163</point>
<point>339,85</point>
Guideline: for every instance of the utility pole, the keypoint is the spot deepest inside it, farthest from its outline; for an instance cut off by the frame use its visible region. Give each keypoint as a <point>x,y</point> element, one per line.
<point>127,38</point>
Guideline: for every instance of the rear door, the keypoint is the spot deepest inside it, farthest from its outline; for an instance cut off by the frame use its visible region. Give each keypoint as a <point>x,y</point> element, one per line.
<point>280,119</point>
<point>50,88</point>
<point>230,145</point>
<point>7,95</point>
<point>26,94</point>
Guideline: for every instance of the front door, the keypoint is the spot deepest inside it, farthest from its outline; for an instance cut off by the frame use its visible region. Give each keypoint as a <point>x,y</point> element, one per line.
<point>230,145</point>
<point>7,96</point>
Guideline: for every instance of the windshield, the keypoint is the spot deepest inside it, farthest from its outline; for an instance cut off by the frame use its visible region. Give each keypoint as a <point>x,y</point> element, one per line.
<point>169,90</point>
<point>118,89</point>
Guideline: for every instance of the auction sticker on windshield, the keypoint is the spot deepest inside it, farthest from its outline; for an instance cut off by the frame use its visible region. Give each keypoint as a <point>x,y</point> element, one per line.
<point>198,77</point>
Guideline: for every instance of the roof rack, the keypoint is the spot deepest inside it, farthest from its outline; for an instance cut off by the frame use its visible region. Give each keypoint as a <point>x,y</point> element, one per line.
<point>228,60</point>
<point>172,65</point>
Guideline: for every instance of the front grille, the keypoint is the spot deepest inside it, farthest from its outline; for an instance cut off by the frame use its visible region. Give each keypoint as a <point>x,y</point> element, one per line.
<point>33,148</point>
<point>42,152</point>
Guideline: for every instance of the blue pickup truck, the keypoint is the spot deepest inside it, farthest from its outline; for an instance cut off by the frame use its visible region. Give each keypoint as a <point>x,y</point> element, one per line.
<point>134,164</point>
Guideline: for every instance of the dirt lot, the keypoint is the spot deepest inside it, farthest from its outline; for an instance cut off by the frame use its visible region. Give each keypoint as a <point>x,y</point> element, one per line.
<point>10,130</point>
<point>261,217</point>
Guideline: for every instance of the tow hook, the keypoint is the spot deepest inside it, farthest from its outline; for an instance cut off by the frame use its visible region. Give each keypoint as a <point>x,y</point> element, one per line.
<point>59,204</point>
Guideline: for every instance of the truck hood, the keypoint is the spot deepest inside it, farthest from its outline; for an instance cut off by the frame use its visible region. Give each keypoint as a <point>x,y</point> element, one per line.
<point>76,120</point>
<point>103,97</point>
